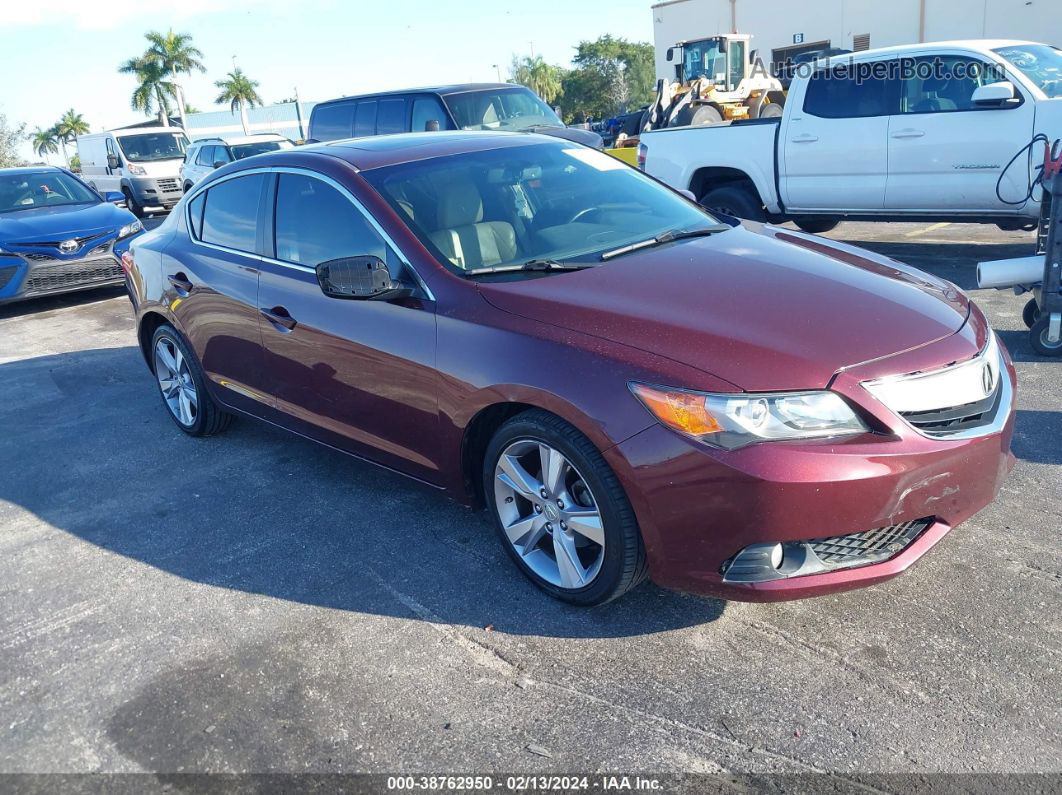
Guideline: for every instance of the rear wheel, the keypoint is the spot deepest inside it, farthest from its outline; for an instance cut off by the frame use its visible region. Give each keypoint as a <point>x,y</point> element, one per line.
<point>1038,337</point>
<point>816,226</point>
<point>734,200</point>
<point>560,511</point>
<point>182,385</point>
<point>1031,313</point>
<point>771,111</point>
<point>697,115</point>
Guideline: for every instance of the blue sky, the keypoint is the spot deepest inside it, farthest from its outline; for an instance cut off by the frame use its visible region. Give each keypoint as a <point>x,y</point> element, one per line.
<point>64,53</point>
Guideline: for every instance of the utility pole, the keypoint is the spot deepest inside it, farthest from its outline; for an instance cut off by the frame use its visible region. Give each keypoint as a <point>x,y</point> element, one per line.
<point>498,68</point>
<point>298,115</point>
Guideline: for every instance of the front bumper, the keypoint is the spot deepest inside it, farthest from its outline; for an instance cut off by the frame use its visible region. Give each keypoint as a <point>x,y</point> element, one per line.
<point>27,275</point>
<point>162,192</point>
<point>698,507</point>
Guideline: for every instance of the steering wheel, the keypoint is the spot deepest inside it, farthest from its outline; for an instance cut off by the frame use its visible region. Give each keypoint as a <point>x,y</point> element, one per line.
<point>588,211</point>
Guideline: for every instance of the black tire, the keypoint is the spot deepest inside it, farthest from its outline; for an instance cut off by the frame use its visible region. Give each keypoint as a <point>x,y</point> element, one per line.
<point>696,116</point>
<point>772,110</point>
<point>736,201</point>
<point>624,564</point>
<point>1031,313</point>
<point>210,417</point>
<point>1038,338</point>
<point>816,226</point>
<point>135,208</point>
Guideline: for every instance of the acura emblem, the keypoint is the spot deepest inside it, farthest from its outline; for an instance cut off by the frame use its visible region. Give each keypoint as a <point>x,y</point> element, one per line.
<point>988,379</point>
<point>68,246</point>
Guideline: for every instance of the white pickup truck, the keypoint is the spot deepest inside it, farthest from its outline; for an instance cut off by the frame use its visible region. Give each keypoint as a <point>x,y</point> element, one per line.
<point>920,132</point>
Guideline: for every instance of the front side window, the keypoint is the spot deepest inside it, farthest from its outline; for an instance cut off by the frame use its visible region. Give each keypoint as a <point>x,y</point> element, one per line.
<point>736,56</point>
<point>1038,62</point>
<point>514,204</point>
<point>230,215</point>
<point>42,189</point>
<point>153,146</point>
<point>427,109</point>
<point>852,91</point>
<point>316,223</point>
<point>332,122</point>
<point>206,157</point>
<point>942,84</point>
<point>500,109</point>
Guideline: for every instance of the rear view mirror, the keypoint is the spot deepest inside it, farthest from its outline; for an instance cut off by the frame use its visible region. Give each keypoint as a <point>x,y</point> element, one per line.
<point>994,94</point>
<point>365,278</point>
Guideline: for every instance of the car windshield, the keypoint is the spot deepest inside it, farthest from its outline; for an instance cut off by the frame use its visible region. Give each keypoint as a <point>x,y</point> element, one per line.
<point>42,189</point>
<point>542,201</point>
<point>240,151</point>
<point>153,146</point>
<point>703,59</point>
<point>1039,63</point>
<point>514,108</point>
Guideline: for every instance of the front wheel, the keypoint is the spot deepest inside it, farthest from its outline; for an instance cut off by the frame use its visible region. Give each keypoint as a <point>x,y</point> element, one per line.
<point>560,511</point>
<point>1038,336</point>
<point>134,206</point>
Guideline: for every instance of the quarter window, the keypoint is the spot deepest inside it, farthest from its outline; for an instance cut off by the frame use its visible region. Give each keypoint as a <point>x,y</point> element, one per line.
<point>230,217</point>
<point>852,91</point>
<point>331,122</point>
<point>316,223</point>
<point>195,214</point>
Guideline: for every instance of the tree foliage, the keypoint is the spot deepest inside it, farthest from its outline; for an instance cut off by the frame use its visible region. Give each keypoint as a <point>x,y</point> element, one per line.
<point>610,76</point>
<point>10,138</point>
<point>542,78</point>
<point>168,54</point>
<point>238,90</point>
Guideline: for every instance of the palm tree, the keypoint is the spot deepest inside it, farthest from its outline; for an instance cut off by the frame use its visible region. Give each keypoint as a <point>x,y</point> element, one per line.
<point>45,142</point>
<point>154,90</point>
<point>239,91</point>
<point>541,77</point>
<point>176,54</point>
<point>68,128</point>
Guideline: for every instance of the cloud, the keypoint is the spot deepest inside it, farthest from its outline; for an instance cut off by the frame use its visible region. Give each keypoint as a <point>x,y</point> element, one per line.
<point>110,14</point>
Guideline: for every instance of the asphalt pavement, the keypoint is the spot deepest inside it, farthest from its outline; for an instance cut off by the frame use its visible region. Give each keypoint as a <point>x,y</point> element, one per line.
<point>254,602</point>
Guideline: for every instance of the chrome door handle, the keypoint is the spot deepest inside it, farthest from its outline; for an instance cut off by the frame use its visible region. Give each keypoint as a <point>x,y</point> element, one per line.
<point>908,133</point>
<point>805,139</point>
<point>181,283</point>
<point>279,316</point>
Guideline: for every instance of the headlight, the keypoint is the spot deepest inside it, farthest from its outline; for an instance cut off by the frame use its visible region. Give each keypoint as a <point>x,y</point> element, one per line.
<point>732,420</point>
<point>132,168</point>
<point>130,229</point>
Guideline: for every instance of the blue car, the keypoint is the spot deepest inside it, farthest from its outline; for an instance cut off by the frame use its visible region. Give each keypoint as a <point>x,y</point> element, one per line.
<point>57,234</point>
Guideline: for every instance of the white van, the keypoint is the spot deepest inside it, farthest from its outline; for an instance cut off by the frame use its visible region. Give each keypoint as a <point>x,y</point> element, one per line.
<point>141,162</point>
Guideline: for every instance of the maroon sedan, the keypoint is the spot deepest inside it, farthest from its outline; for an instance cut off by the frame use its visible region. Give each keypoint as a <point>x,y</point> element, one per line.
<point>631,387</point>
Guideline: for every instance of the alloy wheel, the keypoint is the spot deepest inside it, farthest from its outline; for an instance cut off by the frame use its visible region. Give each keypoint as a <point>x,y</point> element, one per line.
<point>175,382</point>
<point>549,514</point>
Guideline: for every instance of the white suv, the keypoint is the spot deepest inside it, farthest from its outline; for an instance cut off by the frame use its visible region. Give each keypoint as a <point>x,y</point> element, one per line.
<point>206,154</point>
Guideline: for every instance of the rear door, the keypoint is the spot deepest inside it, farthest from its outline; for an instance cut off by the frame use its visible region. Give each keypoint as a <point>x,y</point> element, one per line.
<point>214,287</point>
<point>945,153</point>
<point>834,146</point>
<point>358,375</point>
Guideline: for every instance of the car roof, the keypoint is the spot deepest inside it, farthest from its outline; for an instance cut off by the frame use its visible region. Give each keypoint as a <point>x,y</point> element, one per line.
<point>388,150</point>
<point>984,46</point>
<point>229,140</point>
<point>451,88</point>
<point>32,170</point>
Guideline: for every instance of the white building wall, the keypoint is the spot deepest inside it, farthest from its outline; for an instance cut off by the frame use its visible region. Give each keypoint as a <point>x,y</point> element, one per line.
<point>774,23</point>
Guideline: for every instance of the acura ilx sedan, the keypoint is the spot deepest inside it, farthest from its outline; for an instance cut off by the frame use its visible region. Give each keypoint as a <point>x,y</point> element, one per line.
<point>629,385</point>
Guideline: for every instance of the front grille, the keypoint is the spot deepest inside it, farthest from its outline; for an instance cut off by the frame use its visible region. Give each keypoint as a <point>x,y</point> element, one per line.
<point>73,274</point>
<point>6,274</point>
<point>955,418</point>
<point>870,546</point>
<point>34,256</point>
<point>168,185</point>
<point>55,243</point>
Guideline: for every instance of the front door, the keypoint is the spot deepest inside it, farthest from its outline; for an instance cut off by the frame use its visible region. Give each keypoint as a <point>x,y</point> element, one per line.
<point>356,374</point>
<point>213,289</point>
<point>947,154</point>
<point>835,151</point>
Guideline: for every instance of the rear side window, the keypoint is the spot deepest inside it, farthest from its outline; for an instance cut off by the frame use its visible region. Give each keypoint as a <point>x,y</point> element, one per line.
<point>331,122</point>
<point>391,116</point>
<point>426,109</point>
<point>316,223</point>
<point>852,91</point>
<point>365,120</point>
<point>230,217</point>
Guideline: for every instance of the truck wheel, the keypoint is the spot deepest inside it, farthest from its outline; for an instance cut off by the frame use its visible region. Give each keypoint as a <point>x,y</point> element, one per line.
<point>696,116</point>
<point>771,111</point>
<point>736,201</point>
<point>816,226</point>
<point>1031,313</point>
<point>135,208</point>
<point>1038,338</point>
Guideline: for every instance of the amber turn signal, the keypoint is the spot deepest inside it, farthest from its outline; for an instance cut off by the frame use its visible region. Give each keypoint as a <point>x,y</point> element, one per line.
<point>683,411</point>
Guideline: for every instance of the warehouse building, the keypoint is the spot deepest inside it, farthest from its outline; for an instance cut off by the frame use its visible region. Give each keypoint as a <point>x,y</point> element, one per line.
<point>783,29</point>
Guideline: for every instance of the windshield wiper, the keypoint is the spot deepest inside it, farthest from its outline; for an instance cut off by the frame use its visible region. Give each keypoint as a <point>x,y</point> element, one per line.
<point>666,237</point>
<point>532,265</point>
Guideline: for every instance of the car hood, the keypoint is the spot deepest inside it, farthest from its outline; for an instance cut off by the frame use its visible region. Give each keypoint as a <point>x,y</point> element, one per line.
<point>761,307</point>
<point>60,223</point>
<point>588,137</point>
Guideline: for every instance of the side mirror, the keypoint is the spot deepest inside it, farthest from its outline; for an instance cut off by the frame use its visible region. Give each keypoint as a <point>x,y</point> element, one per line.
<point>219,163</point>
<point>688,194</point>
<point>365,278</point>
<point>431,125</point>
<point>114,197</point>
<point>995,94</point>
<point>670,54</point>
<point>112,161</point>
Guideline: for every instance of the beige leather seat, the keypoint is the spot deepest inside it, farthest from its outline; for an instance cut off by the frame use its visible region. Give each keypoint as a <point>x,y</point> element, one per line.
<point>463,236</point>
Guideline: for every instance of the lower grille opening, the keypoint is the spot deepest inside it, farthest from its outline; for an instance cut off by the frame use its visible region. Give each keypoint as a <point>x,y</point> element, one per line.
<point>59,276</point>
<point>6,274</point>
<point>956,418</point>
<point>871,546</point>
